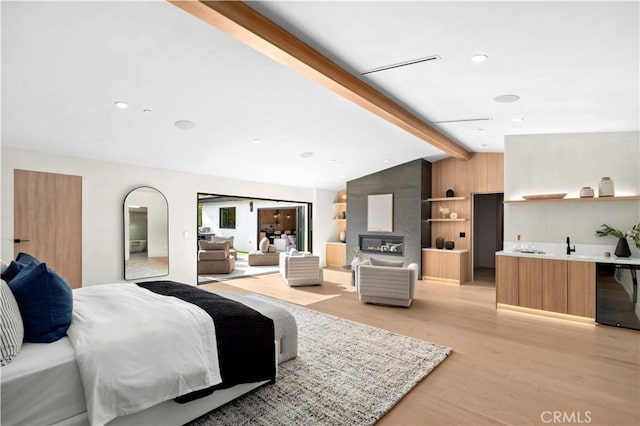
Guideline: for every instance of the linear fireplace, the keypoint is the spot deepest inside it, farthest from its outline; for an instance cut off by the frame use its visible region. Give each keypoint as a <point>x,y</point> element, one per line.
<point>387,244</point>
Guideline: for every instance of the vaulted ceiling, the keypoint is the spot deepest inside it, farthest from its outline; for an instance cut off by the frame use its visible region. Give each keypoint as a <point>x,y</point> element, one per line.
<point>573,65</point>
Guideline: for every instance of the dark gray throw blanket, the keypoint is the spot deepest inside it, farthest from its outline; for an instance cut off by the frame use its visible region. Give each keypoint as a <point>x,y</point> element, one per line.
<point>245,338</point>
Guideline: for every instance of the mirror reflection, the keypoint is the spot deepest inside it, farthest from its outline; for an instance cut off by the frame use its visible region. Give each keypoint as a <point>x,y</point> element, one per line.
<point>146,234</point>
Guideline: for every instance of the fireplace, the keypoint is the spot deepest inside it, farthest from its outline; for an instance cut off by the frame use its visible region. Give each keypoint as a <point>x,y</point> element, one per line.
<point>387,244</point>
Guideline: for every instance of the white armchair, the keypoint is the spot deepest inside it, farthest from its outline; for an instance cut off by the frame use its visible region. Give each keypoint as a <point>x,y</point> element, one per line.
<point>387,285</point>
<point>299,270</point>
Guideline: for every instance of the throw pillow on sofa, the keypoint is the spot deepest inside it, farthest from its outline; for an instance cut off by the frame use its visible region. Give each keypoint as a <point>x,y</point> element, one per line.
<point>264,245</point>
<point>45,301</point>
<point>214,245</point>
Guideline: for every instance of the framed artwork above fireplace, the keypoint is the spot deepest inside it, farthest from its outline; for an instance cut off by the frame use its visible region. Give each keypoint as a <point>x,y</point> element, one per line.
<point>380,213</point>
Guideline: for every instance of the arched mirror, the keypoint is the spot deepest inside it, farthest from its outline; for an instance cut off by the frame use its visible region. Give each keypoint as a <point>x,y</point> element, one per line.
<point>146,234</point>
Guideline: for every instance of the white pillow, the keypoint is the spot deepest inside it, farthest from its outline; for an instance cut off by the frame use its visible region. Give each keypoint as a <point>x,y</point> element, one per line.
<point>11,327</point>
<point>3,266</point>
<point>264,245</point>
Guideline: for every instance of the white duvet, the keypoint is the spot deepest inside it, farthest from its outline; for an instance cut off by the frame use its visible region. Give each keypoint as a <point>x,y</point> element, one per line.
<point>135,349</point>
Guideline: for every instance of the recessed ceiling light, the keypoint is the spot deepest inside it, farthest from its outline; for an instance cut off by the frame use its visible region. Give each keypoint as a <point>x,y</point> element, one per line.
<point>122,105</point>
<point>147,111</point>
<point>517,120</point>
<point>481,130</point>
<point>386,160</point>
<point>257,141</point>
<point>480,57</point>
<point>306,154</point>
<point>506,98</point>
<point>483,145</point>
<point>185,124</point>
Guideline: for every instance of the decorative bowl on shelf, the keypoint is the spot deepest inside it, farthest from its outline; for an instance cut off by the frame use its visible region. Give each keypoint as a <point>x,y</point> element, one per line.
<point>586,192</point>
<point>545,196</point>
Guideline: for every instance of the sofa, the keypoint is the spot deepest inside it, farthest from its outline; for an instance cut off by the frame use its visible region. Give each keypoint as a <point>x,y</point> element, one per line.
<point>232,251</point>
<point>299,269</point>
<point>215,258</point>
<point>266,255</point>
<point>386,282</point>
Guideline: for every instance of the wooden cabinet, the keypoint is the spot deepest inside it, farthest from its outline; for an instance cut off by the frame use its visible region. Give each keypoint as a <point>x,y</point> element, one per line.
<point>530,283</point>
<point>448,266</point>
<point>336,254</point>
<point>554,285</point>
<point>565,287</point>
<point>507,280</point>
<point>581,289</point>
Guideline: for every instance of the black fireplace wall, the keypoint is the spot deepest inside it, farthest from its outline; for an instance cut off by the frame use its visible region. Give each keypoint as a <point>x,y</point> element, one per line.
<point>410,184</point>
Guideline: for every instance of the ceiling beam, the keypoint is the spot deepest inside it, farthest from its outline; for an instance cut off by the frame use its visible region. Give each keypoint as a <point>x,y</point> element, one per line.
<point>245,24</point>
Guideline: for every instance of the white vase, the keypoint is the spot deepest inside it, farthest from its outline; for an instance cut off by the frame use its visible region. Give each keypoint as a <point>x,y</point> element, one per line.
<point>343,236</point>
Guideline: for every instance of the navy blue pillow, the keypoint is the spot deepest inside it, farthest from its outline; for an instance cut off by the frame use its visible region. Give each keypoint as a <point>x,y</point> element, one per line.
<point>26,259</point>
<point>45,301</point>
<point>14,268</point>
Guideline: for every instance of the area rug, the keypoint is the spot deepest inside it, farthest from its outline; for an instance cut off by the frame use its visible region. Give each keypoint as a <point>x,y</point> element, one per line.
<point>241,270</point>
<point>346,373</point>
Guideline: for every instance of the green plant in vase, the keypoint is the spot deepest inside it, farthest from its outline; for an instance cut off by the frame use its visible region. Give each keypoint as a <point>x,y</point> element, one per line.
<point>622,249</point>
<point>358,256</point>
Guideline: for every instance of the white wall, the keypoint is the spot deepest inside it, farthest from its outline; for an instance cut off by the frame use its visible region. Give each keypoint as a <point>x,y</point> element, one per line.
<point>538,164</point>
<point>104,186</point>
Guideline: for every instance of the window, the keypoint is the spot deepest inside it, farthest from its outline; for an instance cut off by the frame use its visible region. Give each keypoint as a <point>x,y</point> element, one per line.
<point>228,217</point>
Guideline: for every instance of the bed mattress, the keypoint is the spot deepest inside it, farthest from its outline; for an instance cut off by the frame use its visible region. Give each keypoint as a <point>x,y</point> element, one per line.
<point>45,378</point>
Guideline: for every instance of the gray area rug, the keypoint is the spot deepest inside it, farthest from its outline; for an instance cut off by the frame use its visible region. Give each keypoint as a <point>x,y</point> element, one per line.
<point>241,270</point>
<point>346,373</point>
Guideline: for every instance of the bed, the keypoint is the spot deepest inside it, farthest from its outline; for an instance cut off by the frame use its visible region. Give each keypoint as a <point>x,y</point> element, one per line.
<point>44,383</point>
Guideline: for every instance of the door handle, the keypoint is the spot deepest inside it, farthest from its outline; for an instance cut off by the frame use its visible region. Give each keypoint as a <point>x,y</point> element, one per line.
<point>18,240</point>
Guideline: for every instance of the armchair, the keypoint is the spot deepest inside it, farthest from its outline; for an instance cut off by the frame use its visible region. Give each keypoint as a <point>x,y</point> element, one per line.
<point>300,269</point>
<point>386,285</point>
<point>215,258</point>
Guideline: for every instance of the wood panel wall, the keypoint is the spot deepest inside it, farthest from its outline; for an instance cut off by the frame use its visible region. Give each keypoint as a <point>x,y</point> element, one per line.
<point>483,173</point>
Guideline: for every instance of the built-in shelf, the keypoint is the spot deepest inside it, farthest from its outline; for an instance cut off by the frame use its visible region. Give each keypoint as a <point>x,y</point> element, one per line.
<point>445,199</point>
<point>340,220</point>
<point>339,204</point>
<point>575,200</point>
<point>447,220</point>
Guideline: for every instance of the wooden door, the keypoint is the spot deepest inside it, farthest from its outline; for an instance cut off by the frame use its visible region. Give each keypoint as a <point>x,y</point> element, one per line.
<point>530,282</point>
<point>554,285</point>
<point>581,289</point>
<point>47,221</point>
<point>507,280</point>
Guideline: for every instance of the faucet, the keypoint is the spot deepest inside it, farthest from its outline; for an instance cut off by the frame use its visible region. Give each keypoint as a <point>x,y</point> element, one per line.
<point>569,249</point>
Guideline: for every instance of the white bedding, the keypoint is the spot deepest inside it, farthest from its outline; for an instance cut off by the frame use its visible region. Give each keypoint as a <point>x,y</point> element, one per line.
<point>132,355</point>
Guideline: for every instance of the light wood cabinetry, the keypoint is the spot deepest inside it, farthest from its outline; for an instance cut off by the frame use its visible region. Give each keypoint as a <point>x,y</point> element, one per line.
<point>336,252</point>
<point>484,173</point>
<point>549,285</point>
<point>447,266</point>
<point>581,289</point>
<point>554,285</point>
<point>507,280</point>
<point>530,283</point>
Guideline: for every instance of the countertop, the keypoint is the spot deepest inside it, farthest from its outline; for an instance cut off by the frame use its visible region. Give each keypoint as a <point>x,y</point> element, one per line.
<point>574,257</point>
<point>445,250</point>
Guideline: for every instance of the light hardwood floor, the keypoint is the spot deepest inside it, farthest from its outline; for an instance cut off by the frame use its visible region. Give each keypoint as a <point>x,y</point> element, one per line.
<point>506,367</point>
